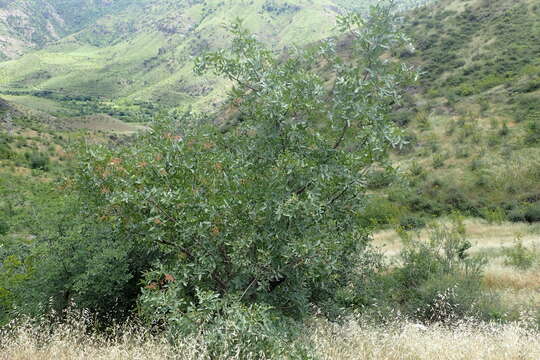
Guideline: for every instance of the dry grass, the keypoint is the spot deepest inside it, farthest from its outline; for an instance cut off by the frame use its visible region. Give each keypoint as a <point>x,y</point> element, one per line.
<point>481,234</point>
<point>498,275</point>
<point>411,341</point>
<point>352,340</point>
<point>73,342</point>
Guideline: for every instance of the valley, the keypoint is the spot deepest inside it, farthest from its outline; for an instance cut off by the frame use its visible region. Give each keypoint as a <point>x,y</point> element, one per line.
<point>334,182</point>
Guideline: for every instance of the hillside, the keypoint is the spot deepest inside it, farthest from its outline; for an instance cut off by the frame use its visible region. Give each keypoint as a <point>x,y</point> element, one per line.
<point>32,24</point>
<point>143,53</point>
<point>473,121</point>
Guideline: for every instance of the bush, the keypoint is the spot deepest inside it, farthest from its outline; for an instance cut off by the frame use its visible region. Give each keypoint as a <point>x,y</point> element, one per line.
<point>379,211</point>
<point>6,152</point>
<point>230,329</point>
<point>438,280</point>
<point>37,160</point>
<point>438,161</point>
<point>73,256</point>
<point>262,219</point>
<point>525,213</point>
<point>532,135</point>
<point>411,222</point>
<point>409,141</point>
<point>494,215</point>
<point>505,130</point>
<point>380,178</point>
<point>532,212</point>
<point>416,170</point>
<point>517,214</point>
<point>519,256</point>
<point>4,227</point>
<point>445,298</point>
<point>402,118</point>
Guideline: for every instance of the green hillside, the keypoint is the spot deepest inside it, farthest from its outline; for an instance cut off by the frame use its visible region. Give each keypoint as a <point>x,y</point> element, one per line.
<point>31,24</point>
<point>473,121</point>
<point>144,52</point>
<point>130,58</point>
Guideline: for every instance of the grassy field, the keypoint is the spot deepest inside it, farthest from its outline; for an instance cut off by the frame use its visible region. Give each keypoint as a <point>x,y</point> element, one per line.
<point>353,339</point>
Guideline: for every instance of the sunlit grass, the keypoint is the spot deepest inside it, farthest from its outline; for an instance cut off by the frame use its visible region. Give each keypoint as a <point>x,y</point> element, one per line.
<point>468,340</point>
<point>482,235</point>
<point>351,340</point>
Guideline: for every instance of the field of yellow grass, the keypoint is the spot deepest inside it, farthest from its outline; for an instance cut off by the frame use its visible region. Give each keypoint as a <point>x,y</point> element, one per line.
<point>482,235</point>
<point>352,340</point>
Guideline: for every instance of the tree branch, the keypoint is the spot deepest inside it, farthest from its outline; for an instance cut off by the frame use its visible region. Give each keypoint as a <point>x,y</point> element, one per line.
<point>242,83</point>
<point>342,135</point>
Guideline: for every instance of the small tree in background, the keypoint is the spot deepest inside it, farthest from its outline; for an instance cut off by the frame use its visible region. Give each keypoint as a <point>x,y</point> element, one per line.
<point>266,214</point>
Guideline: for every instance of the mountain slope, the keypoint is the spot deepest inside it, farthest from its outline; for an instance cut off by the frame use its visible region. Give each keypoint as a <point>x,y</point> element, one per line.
<point>30,24</point>
<point>473,121</point>
<point>144,52</point>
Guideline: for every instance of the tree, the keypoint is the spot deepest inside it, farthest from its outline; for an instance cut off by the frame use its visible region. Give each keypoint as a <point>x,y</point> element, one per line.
<point>266,212</point>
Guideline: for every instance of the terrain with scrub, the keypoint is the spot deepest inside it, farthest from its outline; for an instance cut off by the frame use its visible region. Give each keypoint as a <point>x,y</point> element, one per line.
<point>452,270</point>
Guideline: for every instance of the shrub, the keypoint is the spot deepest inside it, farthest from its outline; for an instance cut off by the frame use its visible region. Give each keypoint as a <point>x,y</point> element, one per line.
<point>380,178</point>
<point>37,160</point>
<point>504,129</point>
<point>416,170</point>
<point>422,120</point>
<point>494,215</point>
<point>517,214</point>
<point>438,161</point>
<point>230,329</point>
<point>411,222</point>
<point>519,256</point>
<point>438,280</point>
<point>72,255</point>
<point>532,135</point>
<point>402,118</point>
<point>446,297</point>
<point>525,213</point>
<point>379,211</point>
<point>409,141</point>
<point>532,212</point>
<point>4,227</point>
<point>6,152</point>
<point>263,215</point>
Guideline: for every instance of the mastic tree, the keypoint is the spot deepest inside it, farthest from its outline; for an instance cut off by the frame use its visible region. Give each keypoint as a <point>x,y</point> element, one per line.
<point>265,212</point>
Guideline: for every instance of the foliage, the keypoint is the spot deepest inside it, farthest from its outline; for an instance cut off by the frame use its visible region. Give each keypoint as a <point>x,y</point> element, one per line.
<point>520,256</point>
<point>532,136</point>
<point>525,213</point>
<point>4,226</point>
<point>57,252</point>
<point>264,214</point>
<point>411,222</point>
<point>228,327</point>
<point>437,279</point>
<point>37,160</point>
